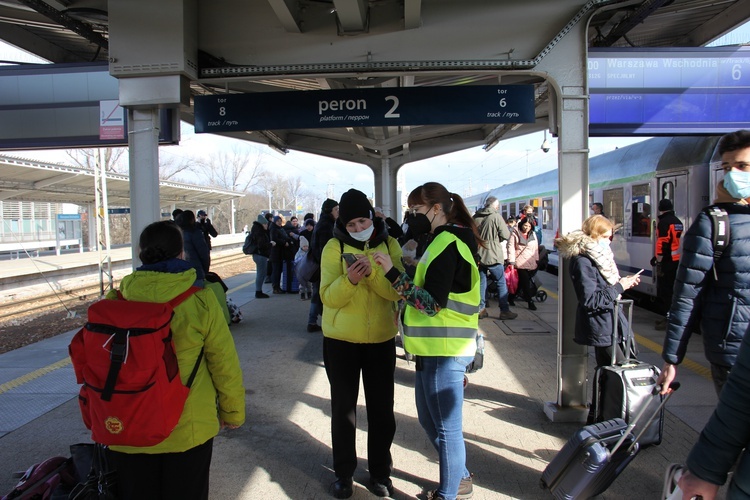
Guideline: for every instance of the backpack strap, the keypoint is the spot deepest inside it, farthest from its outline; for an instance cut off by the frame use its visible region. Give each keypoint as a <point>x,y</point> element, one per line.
<point>719,232</point>
<point>119,348</point>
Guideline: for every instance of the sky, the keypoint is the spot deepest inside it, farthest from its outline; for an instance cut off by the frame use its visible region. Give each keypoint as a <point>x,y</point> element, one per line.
<point>466,172</point>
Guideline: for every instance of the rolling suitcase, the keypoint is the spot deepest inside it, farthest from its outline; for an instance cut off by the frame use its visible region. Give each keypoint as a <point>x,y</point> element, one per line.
<point>596,454</point>
<point>620,390</point>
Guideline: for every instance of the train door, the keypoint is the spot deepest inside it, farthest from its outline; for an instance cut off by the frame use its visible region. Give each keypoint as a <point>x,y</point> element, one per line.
<point>674,188</point>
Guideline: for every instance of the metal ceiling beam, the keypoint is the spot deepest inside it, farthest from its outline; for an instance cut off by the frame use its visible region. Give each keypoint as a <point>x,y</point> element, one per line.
<point>68,22</point>
<point>288,14</point>
<point>723,23</point>
<point>352,15</point>
<point>412,14</point>
<point>637,17</point>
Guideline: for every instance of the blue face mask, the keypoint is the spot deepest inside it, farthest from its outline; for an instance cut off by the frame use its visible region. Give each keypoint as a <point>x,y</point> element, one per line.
<point>737,183</point>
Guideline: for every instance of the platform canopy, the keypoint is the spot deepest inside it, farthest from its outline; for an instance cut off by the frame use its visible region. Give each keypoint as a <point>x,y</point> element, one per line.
<point>26,180</point>
<point>236,46</point>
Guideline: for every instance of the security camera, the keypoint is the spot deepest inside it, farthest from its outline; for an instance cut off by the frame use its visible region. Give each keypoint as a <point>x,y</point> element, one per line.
<point>545,144</point>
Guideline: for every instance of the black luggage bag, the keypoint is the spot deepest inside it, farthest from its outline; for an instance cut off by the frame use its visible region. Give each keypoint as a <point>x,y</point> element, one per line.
<point>595,455</point>
<point>620,390</point>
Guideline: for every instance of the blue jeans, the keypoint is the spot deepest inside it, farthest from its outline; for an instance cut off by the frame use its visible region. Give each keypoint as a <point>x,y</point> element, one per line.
<point>498,272</point>
<point>261,264</point>
<point>439,394</point>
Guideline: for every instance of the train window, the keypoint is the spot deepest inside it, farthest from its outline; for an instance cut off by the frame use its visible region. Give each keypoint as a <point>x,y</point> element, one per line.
<point>613,204</point>
<point>546,214</point>
<point>504,209</point>
<point>641,209</point>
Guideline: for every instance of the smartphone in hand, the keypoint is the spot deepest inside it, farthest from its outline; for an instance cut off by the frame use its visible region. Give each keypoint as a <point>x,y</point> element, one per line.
<point>350,258</point>
<point>639,272</point>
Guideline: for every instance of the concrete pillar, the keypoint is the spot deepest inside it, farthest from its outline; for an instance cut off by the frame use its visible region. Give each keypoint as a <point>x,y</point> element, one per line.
<point>565,68</point>
<point>143,142</point>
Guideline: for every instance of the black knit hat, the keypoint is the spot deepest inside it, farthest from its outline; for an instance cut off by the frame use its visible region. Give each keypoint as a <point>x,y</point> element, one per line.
<point>665,205</point>
<point>354,204</point>
<point>329,205</point>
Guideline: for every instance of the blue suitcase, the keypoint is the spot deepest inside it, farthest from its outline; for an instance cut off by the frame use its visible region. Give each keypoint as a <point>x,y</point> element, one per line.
<point>596,454</point>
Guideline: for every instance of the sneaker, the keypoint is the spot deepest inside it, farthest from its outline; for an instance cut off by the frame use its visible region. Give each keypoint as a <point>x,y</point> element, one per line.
<point>313,327</point>
<point>381,487</point>
<point>432,495</point>
<point>261,295</point>
<point>483,314</point>
<point>465,488</point>
<point>508,315</point>
<point>532,306</point>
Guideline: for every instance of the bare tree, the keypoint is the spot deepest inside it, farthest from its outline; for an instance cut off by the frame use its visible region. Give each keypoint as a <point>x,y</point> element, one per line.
<point>238,169</point>
<point>90,158</point>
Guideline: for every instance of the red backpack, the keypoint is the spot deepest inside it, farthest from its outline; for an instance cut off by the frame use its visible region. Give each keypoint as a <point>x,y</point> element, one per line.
<point>132,393</point>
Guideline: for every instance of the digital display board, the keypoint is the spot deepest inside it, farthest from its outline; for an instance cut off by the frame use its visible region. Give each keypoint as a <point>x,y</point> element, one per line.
<point>676,91</point>
<point>365,108</point>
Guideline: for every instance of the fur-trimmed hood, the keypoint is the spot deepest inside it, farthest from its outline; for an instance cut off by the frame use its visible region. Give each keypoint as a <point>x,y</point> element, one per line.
<point>574,244</point>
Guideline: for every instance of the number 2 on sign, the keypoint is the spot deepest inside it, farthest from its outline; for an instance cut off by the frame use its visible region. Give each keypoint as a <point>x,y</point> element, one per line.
<point>391,112</point>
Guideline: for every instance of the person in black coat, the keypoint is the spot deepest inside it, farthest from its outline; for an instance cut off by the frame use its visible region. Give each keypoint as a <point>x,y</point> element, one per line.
<point>204,224</point>
<point>262,252</point>
<point>598,286</point>
<point>323,232</point>
<point>282,242</point>
<point>194,246</point>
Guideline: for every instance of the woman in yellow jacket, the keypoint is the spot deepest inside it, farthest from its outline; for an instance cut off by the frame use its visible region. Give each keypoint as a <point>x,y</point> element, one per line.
<point>178,467</point>
<point>440,324</point>
<point>359,329</point>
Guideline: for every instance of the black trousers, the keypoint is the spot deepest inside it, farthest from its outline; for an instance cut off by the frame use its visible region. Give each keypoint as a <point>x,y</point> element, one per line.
<point>164,476</point>
<point>665,283</point>
<point>377,362</point>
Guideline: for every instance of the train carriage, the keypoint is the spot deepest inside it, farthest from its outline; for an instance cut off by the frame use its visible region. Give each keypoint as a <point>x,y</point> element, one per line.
<point>629,182</point>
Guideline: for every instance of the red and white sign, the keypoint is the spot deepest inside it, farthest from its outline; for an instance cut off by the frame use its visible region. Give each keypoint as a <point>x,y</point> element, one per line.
<point>111,120</point>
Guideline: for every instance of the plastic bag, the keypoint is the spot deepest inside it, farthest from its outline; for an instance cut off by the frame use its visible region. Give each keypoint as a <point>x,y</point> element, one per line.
<point>511,279</point>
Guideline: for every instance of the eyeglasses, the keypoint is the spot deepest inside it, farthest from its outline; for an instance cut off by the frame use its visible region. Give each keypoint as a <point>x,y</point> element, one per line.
<point>413,211</point>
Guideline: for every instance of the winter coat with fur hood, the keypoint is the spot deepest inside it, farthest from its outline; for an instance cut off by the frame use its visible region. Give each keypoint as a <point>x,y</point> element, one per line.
<point>596,296</point>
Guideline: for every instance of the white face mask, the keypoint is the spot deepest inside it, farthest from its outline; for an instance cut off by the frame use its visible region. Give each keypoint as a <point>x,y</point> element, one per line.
<point>363,235</point>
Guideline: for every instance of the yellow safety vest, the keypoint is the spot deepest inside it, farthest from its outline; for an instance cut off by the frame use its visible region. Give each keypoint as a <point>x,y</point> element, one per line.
<point>452,331</point>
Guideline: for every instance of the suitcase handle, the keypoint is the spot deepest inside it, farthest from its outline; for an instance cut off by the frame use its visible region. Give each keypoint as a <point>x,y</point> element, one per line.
<point>674,386</point>
<point>629,339</point>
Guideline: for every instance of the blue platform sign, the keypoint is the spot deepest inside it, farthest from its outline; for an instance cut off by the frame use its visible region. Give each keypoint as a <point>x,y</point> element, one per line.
<point>365,108</point>
<point>704,90</point>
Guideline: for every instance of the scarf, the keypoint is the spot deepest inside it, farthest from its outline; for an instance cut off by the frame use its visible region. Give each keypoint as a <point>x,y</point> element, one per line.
<point>604,260</point>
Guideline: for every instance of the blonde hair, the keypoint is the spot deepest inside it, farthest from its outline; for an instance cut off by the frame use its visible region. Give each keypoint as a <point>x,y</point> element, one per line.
<point>596,225</point>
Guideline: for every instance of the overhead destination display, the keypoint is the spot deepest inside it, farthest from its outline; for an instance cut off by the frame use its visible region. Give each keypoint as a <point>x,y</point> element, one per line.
<point>669,91</point>
<point>365,108</point>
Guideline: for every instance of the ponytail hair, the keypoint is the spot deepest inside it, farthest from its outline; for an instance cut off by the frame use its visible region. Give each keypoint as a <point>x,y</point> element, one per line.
<point>432,193</point>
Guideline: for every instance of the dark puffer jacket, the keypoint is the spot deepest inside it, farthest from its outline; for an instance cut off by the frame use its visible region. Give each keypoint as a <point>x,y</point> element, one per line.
<point>726,434</point>
<point>720,306</point>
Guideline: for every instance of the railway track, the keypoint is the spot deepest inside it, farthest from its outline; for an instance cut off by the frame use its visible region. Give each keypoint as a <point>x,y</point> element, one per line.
<point>79,296</point>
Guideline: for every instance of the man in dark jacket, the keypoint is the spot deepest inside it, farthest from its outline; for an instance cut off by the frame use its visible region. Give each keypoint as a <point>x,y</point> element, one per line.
<point>204,224</point>
<point>715,295</point>
<point>394,228</point>
<point>495,233</point>
<point>723,439</point>
<point>668,234</point>
<point>323,232</point>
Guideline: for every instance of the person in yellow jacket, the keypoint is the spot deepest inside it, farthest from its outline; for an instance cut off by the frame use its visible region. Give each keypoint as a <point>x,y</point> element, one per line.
<point>359,330</point>
<point>178,467</point>
<point>440,324</point>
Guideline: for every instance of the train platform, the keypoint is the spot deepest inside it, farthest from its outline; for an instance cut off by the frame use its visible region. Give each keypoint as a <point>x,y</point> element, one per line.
<point>284,449</point>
